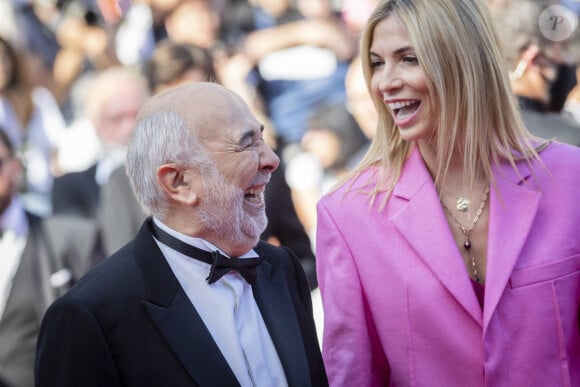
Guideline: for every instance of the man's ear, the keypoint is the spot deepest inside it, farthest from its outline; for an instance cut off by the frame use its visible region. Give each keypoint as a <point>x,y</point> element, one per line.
<point>177,182</point>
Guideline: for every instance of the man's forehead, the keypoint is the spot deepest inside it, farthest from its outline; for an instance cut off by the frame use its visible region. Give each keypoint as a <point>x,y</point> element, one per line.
<point>197,97</point>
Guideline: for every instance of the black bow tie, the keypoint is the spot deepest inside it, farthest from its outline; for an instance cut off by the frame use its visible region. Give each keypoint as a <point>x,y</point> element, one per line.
<point>220,264</point>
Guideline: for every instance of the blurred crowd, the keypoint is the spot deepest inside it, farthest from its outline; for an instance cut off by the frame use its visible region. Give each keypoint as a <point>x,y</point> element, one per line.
<point>74,74</point>
<point>288,59</point>
<point>294,61</point>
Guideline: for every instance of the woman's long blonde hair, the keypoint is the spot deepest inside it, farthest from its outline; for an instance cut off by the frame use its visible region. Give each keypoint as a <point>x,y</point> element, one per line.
<point>478,115</point>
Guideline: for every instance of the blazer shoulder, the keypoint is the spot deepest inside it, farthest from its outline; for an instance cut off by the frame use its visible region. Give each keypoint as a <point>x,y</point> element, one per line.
<point>353,187</point>
<point>561,158</point>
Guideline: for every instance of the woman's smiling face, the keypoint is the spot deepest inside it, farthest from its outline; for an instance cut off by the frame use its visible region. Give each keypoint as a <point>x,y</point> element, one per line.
<point>399,81</point>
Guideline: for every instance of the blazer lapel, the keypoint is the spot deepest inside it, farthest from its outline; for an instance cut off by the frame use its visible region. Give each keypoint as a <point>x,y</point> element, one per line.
<point>422,223</point>
<point>176,318</point>
<point>512,214</point>
<point>275,304</point>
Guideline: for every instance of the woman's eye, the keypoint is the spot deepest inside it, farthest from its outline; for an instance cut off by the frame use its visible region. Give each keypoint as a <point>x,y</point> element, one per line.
<point>376,63</point>
<point>410,59</point>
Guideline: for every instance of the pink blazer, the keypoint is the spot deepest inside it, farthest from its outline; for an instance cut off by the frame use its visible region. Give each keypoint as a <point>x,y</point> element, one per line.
<point>400,310</point>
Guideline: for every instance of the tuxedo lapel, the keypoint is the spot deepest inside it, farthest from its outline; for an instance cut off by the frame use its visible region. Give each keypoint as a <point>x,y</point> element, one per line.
<point>186,334</point>
<point>421,221</point>
<point>176,318</point>
<point>275,304</point>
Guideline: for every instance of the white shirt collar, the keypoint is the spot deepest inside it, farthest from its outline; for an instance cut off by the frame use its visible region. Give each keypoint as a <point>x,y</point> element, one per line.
<point>198,242</point>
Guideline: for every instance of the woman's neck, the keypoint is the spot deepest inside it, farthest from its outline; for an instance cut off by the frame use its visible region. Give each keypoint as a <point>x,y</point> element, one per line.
<point>454,180</point>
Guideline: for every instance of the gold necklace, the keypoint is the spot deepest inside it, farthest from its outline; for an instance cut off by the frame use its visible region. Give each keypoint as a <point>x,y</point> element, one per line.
<point>467,231</point>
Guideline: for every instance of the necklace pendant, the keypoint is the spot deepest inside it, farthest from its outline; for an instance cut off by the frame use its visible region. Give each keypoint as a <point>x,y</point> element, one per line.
<point>467,244</point>
<point>462,204</point>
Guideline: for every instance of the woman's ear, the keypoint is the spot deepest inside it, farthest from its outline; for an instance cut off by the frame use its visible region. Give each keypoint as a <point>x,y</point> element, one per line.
<point>177,182</point>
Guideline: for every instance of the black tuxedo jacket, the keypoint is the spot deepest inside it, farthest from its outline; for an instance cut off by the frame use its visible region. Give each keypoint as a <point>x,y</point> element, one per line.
<point>59,245</point>
<point>129,323</point>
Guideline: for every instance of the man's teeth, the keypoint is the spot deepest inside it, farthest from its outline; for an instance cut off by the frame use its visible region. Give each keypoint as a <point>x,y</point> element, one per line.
<point>254,192</point>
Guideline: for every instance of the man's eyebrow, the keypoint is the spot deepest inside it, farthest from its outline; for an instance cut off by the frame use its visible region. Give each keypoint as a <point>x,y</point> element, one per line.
<point>249,135</point>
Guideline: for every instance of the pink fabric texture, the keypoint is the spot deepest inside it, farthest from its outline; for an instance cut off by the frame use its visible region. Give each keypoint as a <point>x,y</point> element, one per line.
<point>399,306</point>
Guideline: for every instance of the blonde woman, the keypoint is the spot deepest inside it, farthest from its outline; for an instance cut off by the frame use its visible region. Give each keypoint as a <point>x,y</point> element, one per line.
<point>450,256</point>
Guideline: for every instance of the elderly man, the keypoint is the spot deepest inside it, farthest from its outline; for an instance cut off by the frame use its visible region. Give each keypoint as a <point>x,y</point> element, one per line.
<point>195,299</point>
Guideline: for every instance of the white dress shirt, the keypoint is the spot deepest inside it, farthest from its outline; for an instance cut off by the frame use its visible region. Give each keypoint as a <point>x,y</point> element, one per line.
<point>230,313</point>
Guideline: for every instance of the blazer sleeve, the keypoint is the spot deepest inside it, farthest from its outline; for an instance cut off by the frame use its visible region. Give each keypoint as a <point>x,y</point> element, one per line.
<point>67,330</point>
<point>351,347</point>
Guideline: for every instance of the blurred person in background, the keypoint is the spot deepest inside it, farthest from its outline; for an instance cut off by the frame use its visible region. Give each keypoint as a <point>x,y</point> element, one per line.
<point>175,63</point>
<point>542,70</point>
<point>196,22</point>
<point>199,22</point>
<point>141,29</point>
<point>40,258</point>
<point>171,64</point>
<point>38,21</point>
<point>86,47</point>
<point>572,105</point>
<point>299,56</point>
<point>327,146</point>
<point>113,100</point>
<point>354,14</point>
<point>33,120</point>
<point>10,29</point>
<point>360,105</point>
